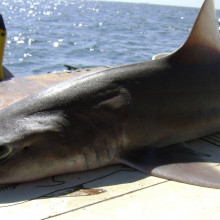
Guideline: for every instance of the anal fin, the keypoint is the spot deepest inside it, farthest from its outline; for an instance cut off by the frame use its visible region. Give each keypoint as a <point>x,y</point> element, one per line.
<point>176,162</point>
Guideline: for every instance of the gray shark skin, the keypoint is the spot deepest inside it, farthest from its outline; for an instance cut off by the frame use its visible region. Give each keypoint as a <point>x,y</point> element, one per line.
<point>139,115</point>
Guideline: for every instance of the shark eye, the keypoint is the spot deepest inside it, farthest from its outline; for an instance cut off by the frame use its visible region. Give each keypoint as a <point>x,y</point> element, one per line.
<point>5,151</point>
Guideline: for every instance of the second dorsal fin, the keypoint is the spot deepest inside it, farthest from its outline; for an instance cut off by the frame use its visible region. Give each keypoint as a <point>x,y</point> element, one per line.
<point>203,44</point>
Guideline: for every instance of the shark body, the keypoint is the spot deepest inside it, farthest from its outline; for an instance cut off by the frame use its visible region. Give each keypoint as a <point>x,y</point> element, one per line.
<point>139,115</point>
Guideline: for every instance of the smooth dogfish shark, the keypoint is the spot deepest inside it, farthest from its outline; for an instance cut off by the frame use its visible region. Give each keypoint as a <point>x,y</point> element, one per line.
<point>140,115</point>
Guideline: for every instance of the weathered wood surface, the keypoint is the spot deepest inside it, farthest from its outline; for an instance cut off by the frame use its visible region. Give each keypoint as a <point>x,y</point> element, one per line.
<point>17,88</point>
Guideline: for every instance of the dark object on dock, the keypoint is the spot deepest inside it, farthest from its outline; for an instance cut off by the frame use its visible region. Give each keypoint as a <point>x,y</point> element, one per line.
<point>2,25</point>
<point>70,67</point>
<point>7,74</point>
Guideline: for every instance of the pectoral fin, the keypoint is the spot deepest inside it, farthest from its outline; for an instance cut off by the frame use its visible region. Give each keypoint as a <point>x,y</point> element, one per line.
<point>176,162</point>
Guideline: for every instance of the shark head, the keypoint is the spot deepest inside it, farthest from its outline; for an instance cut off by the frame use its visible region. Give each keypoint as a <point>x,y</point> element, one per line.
<point>40,140</point>
<point>40,148</point>
<point>30,158</point>
<point>34,144</point>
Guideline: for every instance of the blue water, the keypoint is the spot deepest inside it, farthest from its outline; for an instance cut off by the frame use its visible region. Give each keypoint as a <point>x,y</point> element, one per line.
<point>45,34</point>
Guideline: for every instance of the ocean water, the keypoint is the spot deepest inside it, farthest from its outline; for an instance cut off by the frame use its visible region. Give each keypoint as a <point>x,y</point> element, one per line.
<point>43,35</point>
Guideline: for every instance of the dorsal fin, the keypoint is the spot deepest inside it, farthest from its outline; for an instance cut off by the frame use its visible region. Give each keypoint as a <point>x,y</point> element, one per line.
<point>203,44</point>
